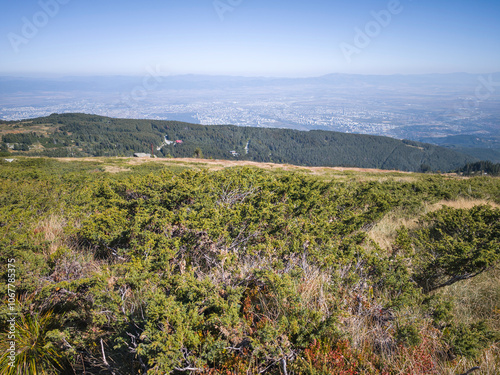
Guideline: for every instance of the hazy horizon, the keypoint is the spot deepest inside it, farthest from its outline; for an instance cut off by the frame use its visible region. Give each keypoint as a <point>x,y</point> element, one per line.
<point>135,75</point>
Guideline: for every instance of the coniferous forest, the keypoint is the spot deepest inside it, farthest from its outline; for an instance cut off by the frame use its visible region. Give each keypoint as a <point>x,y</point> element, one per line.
<point>73,135</point>
<point>128,266</point>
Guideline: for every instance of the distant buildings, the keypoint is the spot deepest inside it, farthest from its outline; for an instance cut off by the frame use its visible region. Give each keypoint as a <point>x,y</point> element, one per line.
<point>167,142</point>
<point>141,155</point>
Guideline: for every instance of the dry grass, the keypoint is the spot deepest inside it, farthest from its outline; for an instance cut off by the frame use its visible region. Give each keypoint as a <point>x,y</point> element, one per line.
<point>217,164</point>
<point>28,127</point>
<point>74,266</point>
<point>477,298</point>
<point>462,203</point>
<point>115,169</point>
<point>385,231</point>
<point>70,261</point>
<point>51,231</point>
<point>474,300</point>
<point>312,288</point>
<point>488,363</point>
<point>373,330</point>
<point>422,359</point>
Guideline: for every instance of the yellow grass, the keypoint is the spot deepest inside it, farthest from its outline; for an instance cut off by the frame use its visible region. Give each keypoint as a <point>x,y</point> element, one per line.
<point>463,204</point>
<point>221,164</point>
<point>51,230</point>
<point>477,298</point>
<point>115,169</point>
<point>384,232</point>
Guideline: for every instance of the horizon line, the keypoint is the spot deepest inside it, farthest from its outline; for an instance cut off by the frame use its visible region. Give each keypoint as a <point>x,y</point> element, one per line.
<point>82,75</point>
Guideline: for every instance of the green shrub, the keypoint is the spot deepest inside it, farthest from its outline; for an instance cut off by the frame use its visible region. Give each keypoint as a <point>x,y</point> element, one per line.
<point>408,335</point>
<point>455,245</point>
<point>35,352</point>
<point>469,339</point>
<point>239,270</point>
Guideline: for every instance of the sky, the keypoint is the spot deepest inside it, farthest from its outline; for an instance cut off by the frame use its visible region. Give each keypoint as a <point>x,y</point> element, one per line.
<point>248,37</point>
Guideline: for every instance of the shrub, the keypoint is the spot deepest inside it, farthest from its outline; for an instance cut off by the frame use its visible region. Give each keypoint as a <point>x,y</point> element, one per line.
<point>408,335</point>
<point>469,339</point>
<point>456,244</point>
<point>35,353</point>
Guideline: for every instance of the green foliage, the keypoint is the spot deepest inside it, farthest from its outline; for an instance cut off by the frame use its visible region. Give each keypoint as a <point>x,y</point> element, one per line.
<point>456,244</point>
<point>408,335</point>
<point>21,147</point>
<point>440,310</point>
<point>26,139</point>
<point>35,352</point>
<point>75,134</point>
<point>232,271</point>
<point>393,278</point>
<point>468,339</point>
<point>481,167</point>
<point>198,153</point>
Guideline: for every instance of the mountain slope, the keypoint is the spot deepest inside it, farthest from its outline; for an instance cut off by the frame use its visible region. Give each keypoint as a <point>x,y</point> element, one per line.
<point>91,135</point>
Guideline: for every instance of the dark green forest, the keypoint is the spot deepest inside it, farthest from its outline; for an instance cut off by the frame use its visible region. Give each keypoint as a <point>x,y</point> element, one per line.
<point>482,167</point>
<point>163,268</point>
<point>62,135</point>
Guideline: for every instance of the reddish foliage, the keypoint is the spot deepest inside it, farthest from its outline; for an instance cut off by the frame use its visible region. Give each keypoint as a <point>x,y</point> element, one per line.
<point>326,358</point>
<point>419,360</point>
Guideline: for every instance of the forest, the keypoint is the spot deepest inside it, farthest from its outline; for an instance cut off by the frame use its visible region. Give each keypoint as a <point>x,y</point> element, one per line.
<point>77,135</point>
<point>127,266</point>
<point>479,168</point>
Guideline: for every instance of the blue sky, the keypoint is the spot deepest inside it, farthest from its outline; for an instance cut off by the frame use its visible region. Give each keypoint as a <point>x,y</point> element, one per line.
<point>248,37</point>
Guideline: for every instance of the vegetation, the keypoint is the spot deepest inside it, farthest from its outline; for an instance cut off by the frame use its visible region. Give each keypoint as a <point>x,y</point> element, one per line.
<point>166,268</point>
<point>62,135</point>
<point>482,167</point>
<point>456,245</point>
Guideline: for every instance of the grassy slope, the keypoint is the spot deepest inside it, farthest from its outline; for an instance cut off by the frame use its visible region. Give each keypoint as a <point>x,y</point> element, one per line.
<point>46,204</point>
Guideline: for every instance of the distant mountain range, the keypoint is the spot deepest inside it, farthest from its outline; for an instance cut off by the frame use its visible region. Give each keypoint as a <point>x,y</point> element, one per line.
<point>91,135</point>
<point>13,84</point>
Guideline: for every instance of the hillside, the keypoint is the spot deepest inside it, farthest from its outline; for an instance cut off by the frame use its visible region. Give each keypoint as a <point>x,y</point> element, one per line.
<point>89,135</point>
<point>183,266</point>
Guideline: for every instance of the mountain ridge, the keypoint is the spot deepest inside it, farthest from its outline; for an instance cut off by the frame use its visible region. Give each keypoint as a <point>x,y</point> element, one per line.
<point>77,134</point>
<point>11,83</point>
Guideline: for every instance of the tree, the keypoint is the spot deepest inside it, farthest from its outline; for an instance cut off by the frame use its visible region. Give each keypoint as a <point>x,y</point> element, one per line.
<point>198,153</point>
<point>425,168</point>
